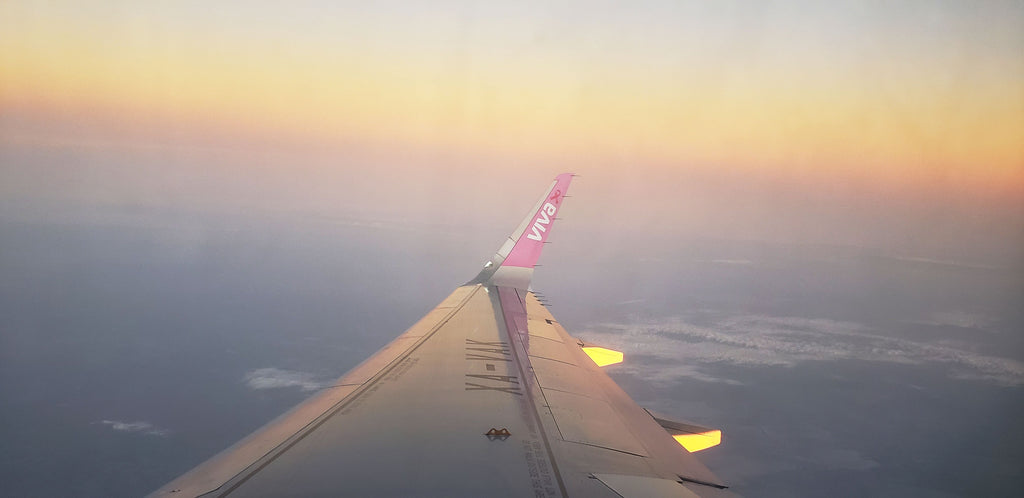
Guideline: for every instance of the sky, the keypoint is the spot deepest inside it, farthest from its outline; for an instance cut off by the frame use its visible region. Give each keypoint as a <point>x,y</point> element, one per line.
<point>779,203</point>
<point>890,126</point>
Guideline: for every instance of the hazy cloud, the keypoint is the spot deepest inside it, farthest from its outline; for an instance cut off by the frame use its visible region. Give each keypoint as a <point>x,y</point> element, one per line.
<point>738,262</point>
<point>630,301</point>
<point>139,426</point>
<point>274,378</point>
<point>943,262</point>
<point>956,318</point>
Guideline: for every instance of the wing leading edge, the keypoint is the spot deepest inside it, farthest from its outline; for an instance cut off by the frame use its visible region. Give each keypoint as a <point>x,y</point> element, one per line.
<point>487,395</point>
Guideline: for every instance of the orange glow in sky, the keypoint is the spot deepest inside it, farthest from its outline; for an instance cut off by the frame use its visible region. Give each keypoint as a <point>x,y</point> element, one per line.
<point>894,102</point>
<point>897,102</point>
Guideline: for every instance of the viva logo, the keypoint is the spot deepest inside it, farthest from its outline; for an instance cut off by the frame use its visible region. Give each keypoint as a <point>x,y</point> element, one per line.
<point>543,220</point>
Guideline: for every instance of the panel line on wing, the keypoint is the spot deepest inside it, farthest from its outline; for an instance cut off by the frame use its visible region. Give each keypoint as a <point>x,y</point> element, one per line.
<point>552,359</point>
<point>515,339</point>
<point>595,445</point>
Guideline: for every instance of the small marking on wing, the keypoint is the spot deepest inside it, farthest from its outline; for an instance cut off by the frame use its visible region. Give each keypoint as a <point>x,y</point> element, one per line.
<point>496,347</point>
<point>498,434</point>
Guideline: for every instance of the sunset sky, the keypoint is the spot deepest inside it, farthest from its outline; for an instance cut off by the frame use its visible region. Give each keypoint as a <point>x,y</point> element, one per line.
<point>825,119</point>
<point>802,221</point>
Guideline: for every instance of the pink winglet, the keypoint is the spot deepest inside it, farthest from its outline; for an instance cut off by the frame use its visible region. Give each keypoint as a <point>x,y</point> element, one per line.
<point>527,249</point>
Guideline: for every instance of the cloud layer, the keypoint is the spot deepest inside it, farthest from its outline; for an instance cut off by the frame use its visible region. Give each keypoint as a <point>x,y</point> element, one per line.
<point>276,378</point>
<point>785,341</point>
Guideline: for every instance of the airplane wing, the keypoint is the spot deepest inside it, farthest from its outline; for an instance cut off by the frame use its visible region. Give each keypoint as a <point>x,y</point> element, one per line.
<point>487,395</point>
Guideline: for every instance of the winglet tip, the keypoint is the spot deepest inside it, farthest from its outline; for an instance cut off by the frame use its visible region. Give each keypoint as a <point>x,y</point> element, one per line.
<point>514,262</point>
<point>535,232</point>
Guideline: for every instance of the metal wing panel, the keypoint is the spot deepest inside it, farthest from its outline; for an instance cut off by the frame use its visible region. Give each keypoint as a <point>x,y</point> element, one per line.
<point>418,428</point>
<point>591,421</point>
<point>222,467</point>
<point>226,465</point>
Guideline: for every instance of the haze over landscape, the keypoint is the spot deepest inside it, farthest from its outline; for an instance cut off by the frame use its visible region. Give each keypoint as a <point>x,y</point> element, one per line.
<point>803,223</point>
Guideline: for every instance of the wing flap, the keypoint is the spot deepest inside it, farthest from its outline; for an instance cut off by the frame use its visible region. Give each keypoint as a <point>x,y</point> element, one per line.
<point>586,420</point>
<point>663,456</point>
